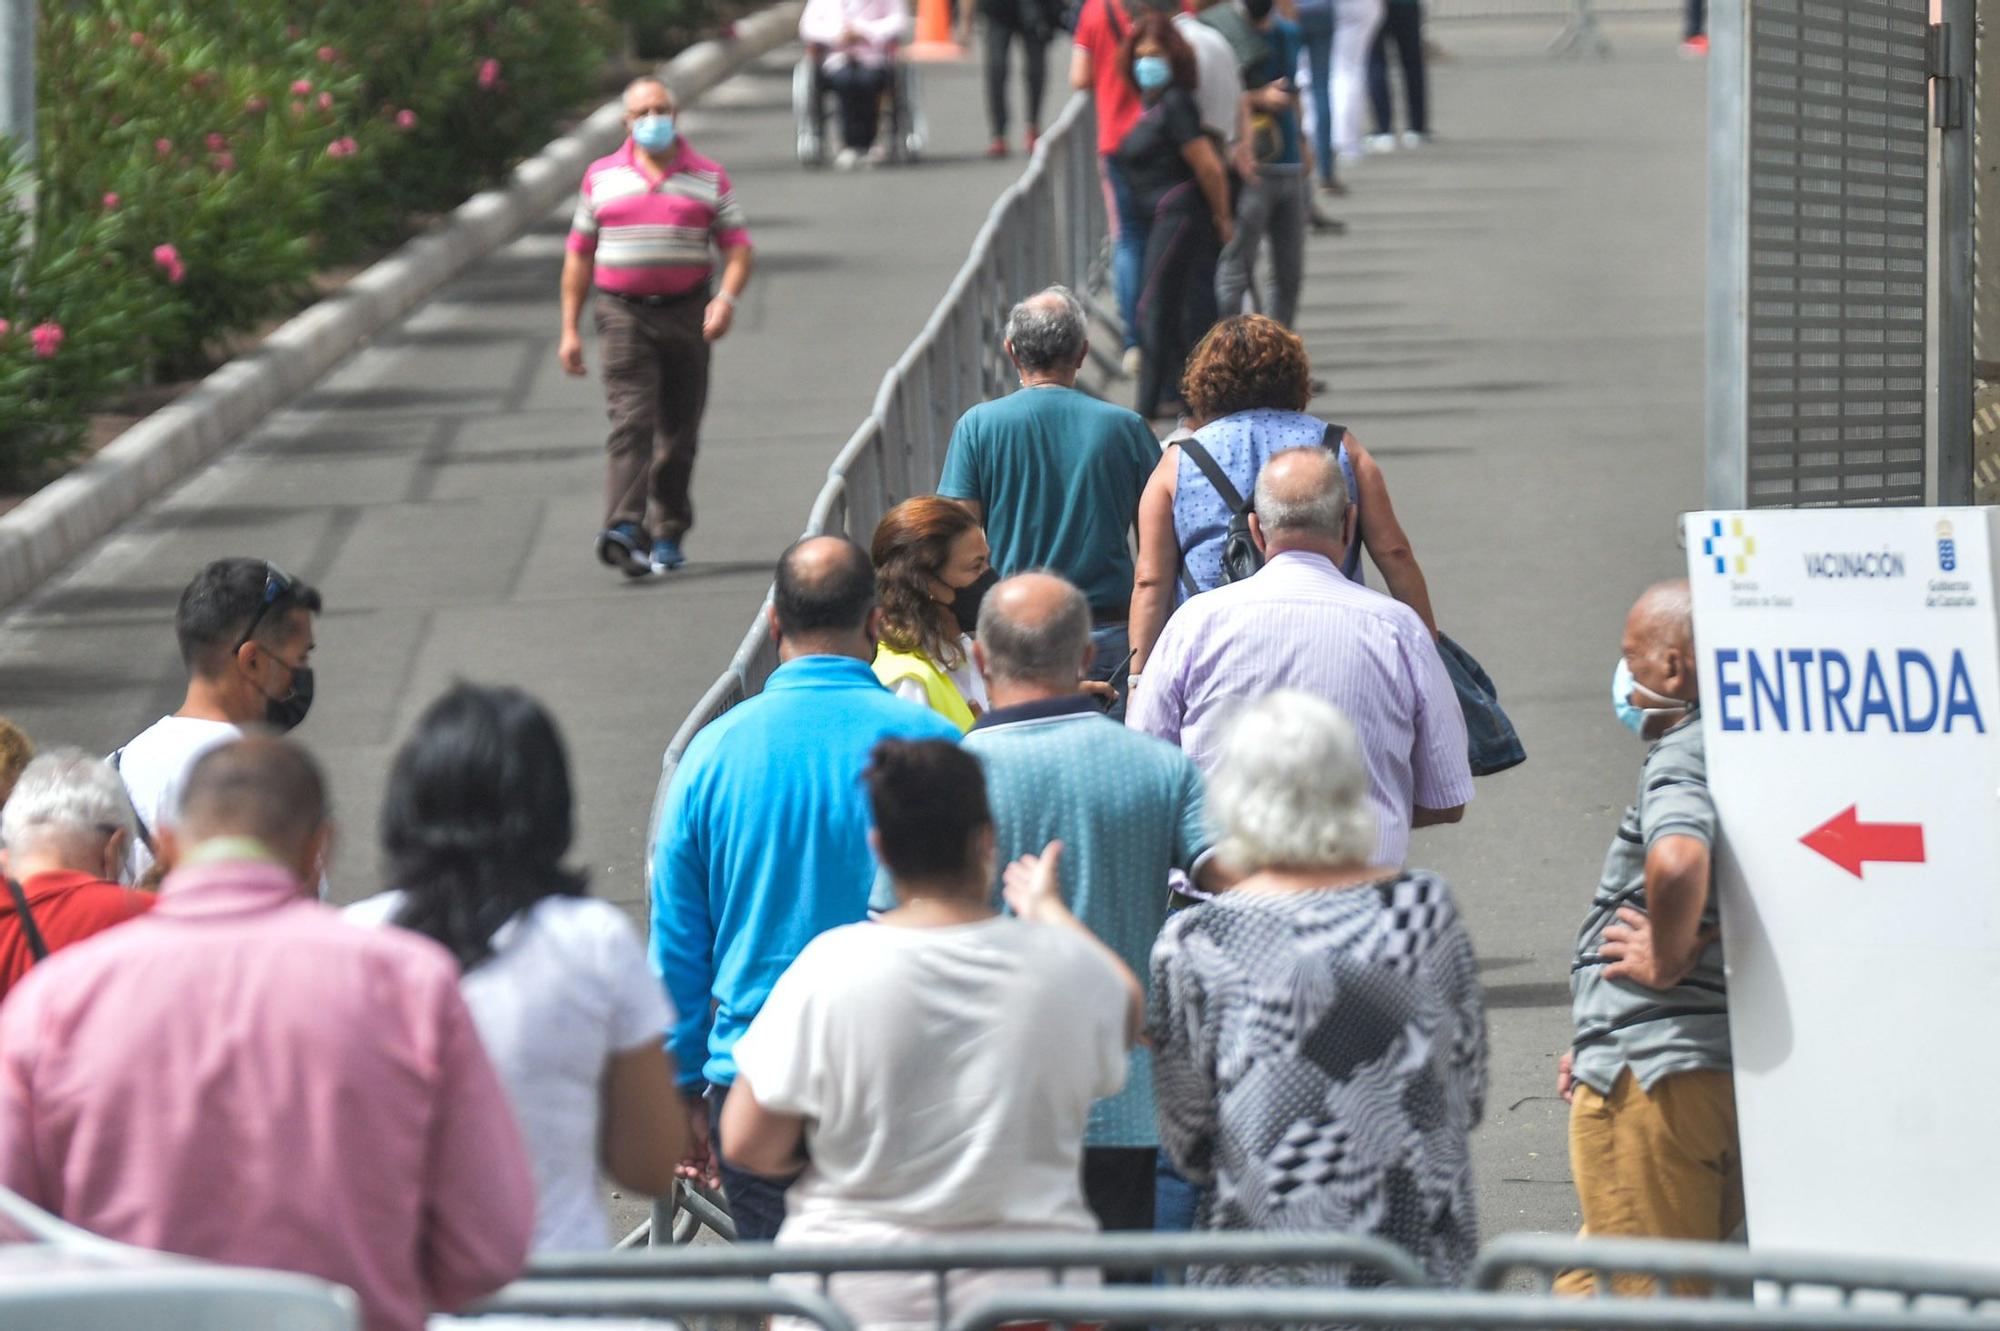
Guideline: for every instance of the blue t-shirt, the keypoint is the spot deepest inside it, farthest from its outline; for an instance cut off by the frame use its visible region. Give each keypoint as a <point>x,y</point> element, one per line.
<point>1058,474</point>
<point>764,845</point>
<point>1285,41</point>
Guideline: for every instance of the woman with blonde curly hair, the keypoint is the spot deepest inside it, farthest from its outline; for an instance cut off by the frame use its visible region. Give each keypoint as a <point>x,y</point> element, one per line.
<point>929,553</point>
<point>1247,386</point>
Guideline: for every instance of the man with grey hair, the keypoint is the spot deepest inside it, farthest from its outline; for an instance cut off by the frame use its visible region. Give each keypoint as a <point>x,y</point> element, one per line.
<point>1300,624</point>
<point>65,830</point>
<point>1128,811</point>
<point>1054,473</point>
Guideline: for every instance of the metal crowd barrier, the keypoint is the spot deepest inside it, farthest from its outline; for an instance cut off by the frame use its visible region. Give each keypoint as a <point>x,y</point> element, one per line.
<point>690,1303</point>
<point>1049,226</point>
<point>1731,1270</point>
<point>1058,1255</point>
<point>1446,1310</point>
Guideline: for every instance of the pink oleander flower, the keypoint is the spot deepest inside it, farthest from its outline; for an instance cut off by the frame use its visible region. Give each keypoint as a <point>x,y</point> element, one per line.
<point>223,161</point>
<point>292,31</point>
<point>217,142</point>
<point>138,39</point>
<point>164,147</point>
<point>48,339</point>
<point>327,55</point>
<point>4,327</point>
<point>406,119</point>
<point>111,203</point>
<point>256,106</point>
<point>489,72</point>
<point>169,260</point>
<point>342,147</point>
<point>326,101</point>
<point>300,87</point>
<point>298,108</point>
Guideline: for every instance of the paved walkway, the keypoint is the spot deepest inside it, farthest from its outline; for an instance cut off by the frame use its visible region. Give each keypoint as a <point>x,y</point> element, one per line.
<point>1513,326</point>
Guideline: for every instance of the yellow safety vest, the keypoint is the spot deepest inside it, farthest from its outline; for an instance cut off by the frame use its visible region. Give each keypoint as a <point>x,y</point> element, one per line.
<point>945,699</point>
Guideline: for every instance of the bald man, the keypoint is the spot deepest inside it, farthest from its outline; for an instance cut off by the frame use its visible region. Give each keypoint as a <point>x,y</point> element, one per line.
<point>241,1076</point>
<point>643,230</point>
<point>1128,809</point>
<point>763,835</point>
<point>1299,623</point>
<point>1652,1108</point>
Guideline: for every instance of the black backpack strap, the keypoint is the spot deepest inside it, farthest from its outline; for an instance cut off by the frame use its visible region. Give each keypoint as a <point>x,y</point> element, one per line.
<point>1335,436</point>
<point>138,819</point>
<point>38,947</point>
<point>1218,478</point>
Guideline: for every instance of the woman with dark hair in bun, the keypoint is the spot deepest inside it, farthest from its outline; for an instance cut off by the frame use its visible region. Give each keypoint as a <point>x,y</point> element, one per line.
<point>475,824</point>
<point>931,1073</point>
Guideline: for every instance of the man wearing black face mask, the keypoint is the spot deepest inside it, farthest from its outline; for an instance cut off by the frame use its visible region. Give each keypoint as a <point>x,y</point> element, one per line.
<point>246,635</point>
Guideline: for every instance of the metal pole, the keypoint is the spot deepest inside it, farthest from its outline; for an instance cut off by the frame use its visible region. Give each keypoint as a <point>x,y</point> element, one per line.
<point>1951,100</point>
<point>17,87</point>
<point>1728,253</point>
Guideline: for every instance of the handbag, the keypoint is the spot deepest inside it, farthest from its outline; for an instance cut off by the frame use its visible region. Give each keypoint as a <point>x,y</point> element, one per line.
<point>1492,744</point>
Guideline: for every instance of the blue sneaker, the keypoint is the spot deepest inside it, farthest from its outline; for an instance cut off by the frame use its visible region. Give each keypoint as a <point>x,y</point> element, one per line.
<point>623,547</point>
<point>667,555</point>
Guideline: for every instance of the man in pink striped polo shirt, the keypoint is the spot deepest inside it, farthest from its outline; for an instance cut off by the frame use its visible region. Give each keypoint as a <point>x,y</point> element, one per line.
<point>642,230</point>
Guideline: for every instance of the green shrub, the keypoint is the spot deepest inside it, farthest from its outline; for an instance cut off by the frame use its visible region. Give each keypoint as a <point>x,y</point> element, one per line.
<point>200,163</point>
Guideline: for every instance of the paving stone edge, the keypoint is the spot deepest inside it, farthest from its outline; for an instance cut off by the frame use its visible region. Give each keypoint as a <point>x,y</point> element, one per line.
<point>72,513</point>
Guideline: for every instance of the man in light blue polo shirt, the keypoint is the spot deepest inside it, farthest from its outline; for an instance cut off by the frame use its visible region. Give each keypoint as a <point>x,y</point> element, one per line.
<point>763,843</point>
<point>1127,808</point>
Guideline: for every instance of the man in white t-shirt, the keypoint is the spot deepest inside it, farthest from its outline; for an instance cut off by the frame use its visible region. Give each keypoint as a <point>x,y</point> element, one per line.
<point>1218,91</point>
<point>246,635</point>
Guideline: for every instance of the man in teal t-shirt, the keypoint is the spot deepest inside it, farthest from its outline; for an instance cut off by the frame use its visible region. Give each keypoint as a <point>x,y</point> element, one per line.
<point>1054,473</point>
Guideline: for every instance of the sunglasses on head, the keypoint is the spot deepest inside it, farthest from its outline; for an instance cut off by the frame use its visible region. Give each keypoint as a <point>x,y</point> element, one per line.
<point>277,584</point>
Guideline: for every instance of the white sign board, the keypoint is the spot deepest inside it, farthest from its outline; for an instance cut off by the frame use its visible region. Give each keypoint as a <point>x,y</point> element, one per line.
<point>1850,687</point>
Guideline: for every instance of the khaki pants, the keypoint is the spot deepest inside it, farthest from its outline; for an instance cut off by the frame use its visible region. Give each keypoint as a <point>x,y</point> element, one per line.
<point>655,386</point>
<point>1655,1164</point>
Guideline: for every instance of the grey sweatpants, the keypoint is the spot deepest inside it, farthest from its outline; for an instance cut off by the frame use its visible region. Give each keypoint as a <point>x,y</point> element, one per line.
<point>1272,206</point>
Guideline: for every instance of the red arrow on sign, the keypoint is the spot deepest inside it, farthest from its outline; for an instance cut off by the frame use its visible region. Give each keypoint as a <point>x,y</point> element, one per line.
<point>1849,842</point>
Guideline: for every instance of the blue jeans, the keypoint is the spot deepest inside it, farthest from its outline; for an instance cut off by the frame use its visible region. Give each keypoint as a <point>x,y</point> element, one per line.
<point>1112,661</point>
<point>756,1204</point>
<point>1128,252</point>
<point>1174,1199</point>
<point>1316,26</point>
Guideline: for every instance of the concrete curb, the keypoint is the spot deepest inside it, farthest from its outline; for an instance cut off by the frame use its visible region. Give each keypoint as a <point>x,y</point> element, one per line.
<point>70,514</point>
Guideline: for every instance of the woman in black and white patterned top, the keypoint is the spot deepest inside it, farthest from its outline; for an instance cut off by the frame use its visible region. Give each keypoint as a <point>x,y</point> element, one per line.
<point>1319,1043</point>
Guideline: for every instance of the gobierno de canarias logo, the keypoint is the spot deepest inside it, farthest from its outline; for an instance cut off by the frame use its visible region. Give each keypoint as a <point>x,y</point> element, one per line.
<point>1730,550</point>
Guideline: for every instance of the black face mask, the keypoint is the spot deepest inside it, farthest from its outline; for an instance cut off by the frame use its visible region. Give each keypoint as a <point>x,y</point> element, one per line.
<point>965,604</point>
<point>283,714</point>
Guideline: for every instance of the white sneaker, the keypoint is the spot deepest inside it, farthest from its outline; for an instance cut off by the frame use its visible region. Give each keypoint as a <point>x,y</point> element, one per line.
<point>879,154</point>
<point>1412,139</point>
<point>846,159</point>
<point>1131,362</point>
<point>1379,143</point>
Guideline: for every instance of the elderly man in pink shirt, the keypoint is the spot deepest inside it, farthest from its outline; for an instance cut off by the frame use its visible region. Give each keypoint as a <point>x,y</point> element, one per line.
<point>241,1076</point>
<point>645,228</point>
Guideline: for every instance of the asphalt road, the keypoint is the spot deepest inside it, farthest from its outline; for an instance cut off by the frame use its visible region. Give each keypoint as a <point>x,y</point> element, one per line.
<point>1513,326</point>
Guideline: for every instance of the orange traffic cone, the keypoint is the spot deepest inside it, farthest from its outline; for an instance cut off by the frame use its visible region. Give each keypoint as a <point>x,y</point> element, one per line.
<point>934,36</point>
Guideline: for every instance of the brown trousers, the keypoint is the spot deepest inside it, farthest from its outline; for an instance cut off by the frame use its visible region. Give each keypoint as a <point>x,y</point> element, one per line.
<point>655,386</point>
<point>1659,1164</point>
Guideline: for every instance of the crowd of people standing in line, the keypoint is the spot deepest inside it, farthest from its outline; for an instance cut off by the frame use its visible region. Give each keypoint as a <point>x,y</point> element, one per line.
<point>926,955</point>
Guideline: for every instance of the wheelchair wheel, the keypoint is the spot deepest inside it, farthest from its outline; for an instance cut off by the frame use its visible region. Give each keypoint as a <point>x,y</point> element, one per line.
<point>912,130</point>
<point>807,120</point>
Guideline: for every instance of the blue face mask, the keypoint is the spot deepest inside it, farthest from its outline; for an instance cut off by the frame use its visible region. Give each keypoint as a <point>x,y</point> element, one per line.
<point>1630,715</point>
<point>654,133</point>
<point>1152,72</point>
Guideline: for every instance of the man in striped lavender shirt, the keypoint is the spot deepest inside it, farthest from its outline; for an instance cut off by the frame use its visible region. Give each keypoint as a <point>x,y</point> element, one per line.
<point>1300,624</point>
<point>643,230</point>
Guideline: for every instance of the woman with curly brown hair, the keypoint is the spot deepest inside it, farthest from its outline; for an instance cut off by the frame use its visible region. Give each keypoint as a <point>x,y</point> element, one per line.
<point>929,552</point>
<point>1247,386</point>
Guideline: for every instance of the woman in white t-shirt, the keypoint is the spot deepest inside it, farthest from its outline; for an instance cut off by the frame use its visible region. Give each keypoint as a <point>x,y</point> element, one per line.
<point>475,824</point>
<point>930,1074</point>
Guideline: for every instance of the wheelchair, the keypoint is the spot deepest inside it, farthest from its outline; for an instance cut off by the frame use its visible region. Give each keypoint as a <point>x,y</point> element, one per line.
<point>903,128</point>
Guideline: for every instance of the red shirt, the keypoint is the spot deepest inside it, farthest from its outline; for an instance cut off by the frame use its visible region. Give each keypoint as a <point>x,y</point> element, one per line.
<point>67,908</point>
<point>1101,30</point>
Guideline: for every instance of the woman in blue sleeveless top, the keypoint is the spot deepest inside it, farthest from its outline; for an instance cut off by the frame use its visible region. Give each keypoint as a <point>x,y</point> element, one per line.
<point>1248,383</point>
